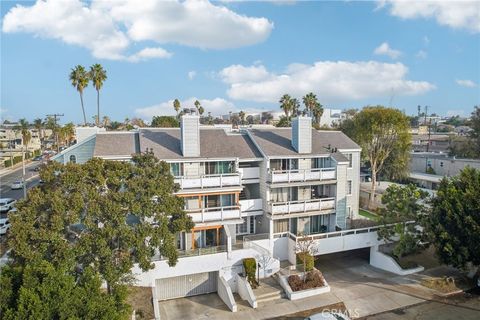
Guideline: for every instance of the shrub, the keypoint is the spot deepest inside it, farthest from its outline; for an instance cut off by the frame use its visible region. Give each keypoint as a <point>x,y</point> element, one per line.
<point>309,261</point>
<point>313,279</point>
<point>250,266</point>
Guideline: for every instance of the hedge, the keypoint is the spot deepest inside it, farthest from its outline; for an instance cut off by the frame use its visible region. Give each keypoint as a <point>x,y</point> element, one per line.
<point>18,159</point>
<point>250,266</point>
<point>309,261</point>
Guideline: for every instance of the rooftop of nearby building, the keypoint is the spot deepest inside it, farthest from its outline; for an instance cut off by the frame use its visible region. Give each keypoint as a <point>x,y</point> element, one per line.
<point>277,141</point>
<point>214,143</point>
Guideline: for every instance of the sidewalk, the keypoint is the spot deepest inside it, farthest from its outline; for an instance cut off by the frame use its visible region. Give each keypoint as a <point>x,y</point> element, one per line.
<point>8,170</point>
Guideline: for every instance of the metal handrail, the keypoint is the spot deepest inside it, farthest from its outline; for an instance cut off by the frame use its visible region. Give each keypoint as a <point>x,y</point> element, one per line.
<point>302,201</point>
<point>213,175</point>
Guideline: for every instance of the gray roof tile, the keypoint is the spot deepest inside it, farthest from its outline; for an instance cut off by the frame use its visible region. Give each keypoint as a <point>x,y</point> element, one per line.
<point>277,141</point>
<point>116,144</point>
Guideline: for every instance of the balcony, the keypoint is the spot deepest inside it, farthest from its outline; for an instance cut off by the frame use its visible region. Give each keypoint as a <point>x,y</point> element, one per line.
<point>299,206</point>
<point>251,205</point>
<point>249,173</point>
<point>214,214</point>
<point>302,175</point>
<point>209,181</point>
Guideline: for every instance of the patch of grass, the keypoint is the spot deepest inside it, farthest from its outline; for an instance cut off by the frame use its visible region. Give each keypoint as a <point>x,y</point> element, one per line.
<point>368,214</point>
<point>443,284</point>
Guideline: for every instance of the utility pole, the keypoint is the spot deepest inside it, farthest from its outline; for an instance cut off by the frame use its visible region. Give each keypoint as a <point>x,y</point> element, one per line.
<point>23,174</point>
<point>55,115</point>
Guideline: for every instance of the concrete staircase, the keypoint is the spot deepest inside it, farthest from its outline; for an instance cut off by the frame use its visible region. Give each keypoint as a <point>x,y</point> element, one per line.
<point>269,290</point>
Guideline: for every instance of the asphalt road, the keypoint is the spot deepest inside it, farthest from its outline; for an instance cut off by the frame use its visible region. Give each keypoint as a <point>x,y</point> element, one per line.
<point>7,179</point>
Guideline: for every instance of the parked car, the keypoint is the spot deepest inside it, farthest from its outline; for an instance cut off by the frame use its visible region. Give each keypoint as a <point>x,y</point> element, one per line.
<point>4,225</point>
<point>7,204</point>
<point>328,316</point>
<point>17,185</point>
<point>38,158</point>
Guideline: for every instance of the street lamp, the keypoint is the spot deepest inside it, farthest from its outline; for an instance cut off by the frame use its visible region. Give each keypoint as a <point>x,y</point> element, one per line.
<point>23,173</point>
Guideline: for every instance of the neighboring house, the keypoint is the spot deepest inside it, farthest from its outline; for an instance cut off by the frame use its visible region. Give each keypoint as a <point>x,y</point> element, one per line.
<point>332,117</point>
<point>250,193</point>
<point>434,143</point>
<point>441,164</point>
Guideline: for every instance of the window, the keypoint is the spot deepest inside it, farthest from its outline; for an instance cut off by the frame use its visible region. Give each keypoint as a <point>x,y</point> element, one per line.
<point>280,225</point>
<point>349,187</point>
<point>248,226</point>
<point>73,159</point>
<point>219,167</point>
<point>176,169</point>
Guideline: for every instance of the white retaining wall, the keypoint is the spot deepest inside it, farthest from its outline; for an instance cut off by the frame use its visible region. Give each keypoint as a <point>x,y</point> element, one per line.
<point>346,242</point>
<point>382,261</point>
<point>245,291</point>
<point>225,293</point>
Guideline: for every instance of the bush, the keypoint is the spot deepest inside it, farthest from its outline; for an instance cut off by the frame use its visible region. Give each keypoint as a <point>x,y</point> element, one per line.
<point>313,279</point>
<point>17,159</point>
<point>309,261</point>
<point>250,266</point>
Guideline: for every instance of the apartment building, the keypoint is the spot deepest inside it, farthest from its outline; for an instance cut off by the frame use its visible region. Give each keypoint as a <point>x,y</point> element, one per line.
<point>250,191</point>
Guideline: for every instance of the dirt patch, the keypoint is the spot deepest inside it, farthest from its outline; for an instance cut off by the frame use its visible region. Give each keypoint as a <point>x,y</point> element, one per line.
<point>140,298</point>
<point>337,307</point>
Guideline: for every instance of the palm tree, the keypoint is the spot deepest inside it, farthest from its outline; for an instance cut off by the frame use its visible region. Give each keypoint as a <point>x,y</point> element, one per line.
<point>295,106</point>
<point>176,106</point>
<point>242,116</point>
<point>106,121</point>
<point>79,78</point>
<point>23,127</point>
<point>98,75</point>
<point>197,105</point>
<point>313,107</point>
<point>201,110</point>
<point>68,132</point>
<point>38,124</point>
<point>286,104</point>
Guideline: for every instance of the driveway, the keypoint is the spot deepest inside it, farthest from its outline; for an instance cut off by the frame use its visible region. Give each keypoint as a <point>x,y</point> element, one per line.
<point>364,290</point>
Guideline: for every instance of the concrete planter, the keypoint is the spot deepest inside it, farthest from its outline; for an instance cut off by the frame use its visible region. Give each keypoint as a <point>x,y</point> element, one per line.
<point>295,295</point>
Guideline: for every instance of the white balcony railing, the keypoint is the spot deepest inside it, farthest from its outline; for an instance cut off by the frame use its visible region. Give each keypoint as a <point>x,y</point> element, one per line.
<point>302,206</point>
<point>214,214</point>
<point>251,205</point>
<point>299,175</point>
<point>249,173</point>
<point>209,181</point>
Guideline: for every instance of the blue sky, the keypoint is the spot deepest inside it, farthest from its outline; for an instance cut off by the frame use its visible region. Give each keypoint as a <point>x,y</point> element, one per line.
<point>239,55</point>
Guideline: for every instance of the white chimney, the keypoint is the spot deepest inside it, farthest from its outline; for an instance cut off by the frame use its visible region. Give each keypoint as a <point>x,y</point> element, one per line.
<point>190,135</point>
<point>302,134</point>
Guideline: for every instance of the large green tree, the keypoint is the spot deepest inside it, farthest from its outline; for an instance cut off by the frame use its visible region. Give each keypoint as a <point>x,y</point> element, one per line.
<point>165,122</point>
<point>103,215</point>
<point>97,75</point>
<point>402,204</point>
<point>475,125</point>
<point>79,78</point>
<point>453,224</point>
<point>381,133</point>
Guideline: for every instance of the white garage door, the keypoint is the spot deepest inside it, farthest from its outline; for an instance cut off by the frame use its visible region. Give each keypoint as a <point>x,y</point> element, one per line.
<point>185,286</point>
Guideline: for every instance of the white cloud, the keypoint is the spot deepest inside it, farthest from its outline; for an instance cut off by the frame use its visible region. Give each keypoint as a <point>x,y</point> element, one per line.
<point>191,74</point>
<point>426,41</point>
<point>454,14</point>
<point>238,73</point>
<point>466,83</point>
<point>216,106</point>
<point>384,49</point>
<point>109,28</point>
<point>149,53</point>
<point>332,81</point>
<point>421,54</point>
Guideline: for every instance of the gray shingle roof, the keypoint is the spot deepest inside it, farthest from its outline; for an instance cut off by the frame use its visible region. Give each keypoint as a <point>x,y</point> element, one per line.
<point>116,144</point>
<point>214,143</point>
<point>277,141</point>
